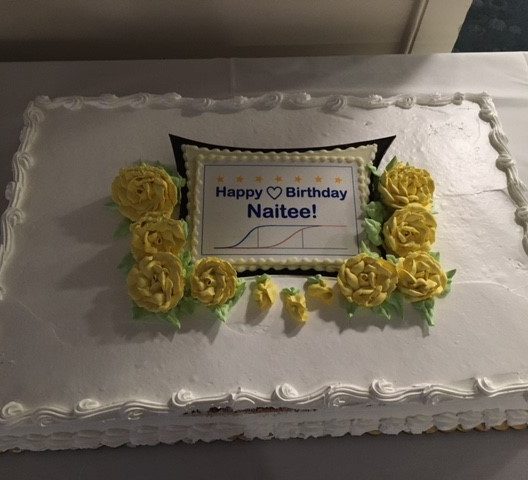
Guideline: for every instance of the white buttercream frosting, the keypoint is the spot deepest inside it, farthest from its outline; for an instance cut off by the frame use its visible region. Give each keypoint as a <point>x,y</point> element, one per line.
<point>113,380</point>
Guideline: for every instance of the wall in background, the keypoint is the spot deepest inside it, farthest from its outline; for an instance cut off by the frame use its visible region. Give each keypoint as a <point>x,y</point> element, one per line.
<point>115,29</point>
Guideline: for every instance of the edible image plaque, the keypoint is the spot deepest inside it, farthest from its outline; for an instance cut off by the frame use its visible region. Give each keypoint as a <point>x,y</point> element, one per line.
<point>278,209</point>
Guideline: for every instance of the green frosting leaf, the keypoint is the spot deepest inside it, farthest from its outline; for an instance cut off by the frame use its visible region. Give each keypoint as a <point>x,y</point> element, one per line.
<point>123,229</point>
<point>126,264</point>
<point>222,311</point>
<point>426,309</point>
<point>365,249</point>
<point>187,305</point>
<point>290,291</point>
<point>172,317</point>
<point>262,278</point>
<point>139,313</point>
<point>373,170</point>
<point>394,305</point>
<point>351,309</point>
<point>178,181</point>
<point>315,280</point>
<point>111,205</point>
<point>376,211</point>
<point>447,289</point>
<point>392,258</point>
<point>382,310</point>
<point>435,255</point>
<point>373,231</point>
<point>391,164</point>
<point>185,228</point>
<point>187,262</point>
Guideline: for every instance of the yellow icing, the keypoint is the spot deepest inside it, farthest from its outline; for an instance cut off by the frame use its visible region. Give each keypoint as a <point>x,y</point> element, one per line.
<point>409,229</point>
<point>420,277</point>
<point>142,189</point>
<point>367,281</point>
<point>265,293</point>
<point>295,304</point>
<point>155,233</point>
<point>213,281</point>
<point>320,291</point>
<point>403,184</point>
<point>157,282</point>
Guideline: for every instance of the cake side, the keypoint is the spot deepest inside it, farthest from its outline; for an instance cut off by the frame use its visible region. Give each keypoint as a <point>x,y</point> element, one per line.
<point>211,386</point>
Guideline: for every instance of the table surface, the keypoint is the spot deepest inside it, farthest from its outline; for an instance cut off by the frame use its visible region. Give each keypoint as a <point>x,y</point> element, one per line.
<point>490,455</point>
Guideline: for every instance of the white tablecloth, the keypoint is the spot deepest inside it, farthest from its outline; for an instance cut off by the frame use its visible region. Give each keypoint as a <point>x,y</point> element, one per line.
<point>496,455</point>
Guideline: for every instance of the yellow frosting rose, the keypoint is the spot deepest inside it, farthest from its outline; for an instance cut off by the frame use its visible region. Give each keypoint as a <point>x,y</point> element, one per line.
<point>420,277</point>
<point>367,281</point>
<point>403,184</point>
<point>265,292</point>
<point>409,229</point>
<point>320,290</point>
<point>213,281</point>
<point>295,304</point>
<point>157,282</point>
<point>142,189</point>
<point>155,233</point>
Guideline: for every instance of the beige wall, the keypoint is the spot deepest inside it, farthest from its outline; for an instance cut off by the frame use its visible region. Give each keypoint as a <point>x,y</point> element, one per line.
<point>109,29</point>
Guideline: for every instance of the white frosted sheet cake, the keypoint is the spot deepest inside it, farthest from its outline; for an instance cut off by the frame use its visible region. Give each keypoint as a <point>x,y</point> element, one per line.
<point>76,371</point>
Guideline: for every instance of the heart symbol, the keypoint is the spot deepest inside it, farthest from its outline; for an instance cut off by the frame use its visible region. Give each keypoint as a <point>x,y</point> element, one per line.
<point>274,192</point>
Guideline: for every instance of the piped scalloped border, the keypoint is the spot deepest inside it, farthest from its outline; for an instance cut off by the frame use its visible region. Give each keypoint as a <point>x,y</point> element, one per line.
<point>138,423</point>
<point>14,415</point>
<point>34,115</point>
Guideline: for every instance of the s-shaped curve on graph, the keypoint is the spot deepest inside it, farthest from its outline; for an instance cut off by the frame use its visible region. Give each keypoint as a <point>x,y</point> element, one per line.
<point>300,230</point>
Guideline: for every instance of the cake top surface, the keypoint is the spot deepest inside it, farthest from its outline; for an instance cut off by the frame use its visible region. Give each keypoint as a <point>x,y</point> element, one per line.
<point>84,345</point>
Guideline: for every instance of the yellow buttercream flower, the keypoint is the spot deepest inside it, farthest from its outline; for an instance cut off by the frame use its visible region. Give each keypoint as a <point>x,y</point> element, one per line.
<point>403,184</point>
<point>155,233</point>
<point>143,189</point>
<point>319,289</point>
<point>265,292</point>
<point>420,277</point>
<point>295,304</point>
<point>367,281</point>
<point>213,281</point>
<point>157,282</point>
<point>409,229</point>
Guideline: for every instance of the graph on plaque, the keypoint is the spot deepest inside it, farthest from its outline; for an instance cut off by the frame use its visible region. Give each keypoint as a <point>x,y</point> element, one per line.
<point>296,237</point>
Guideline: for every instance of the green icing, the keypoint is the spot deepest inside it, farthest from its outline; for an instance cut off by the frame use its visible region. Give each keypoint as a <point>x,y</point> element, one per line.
<point>187,305</point>
<point>123,229</point>
<point>178,181</point>
<point>374,170</point>
<point>222,311</point>
<point>127,262</point>
<point>392,258</point>
<point>373,231</point>
<point>290,291</point>
<point>376,211</point>
<point>447,289</point>
<point>262,278</point>
<point>426,309</point>
<point>391,164</point>
<point>139,313</point>
<point>185,227</point>
<point>391,307</point>
<point>351,309</point>
<point>365,249</point>
<point>172,317</point>
<point>316,279</point>
<point>111,205</point>
<point>435,255</point>
<point>187,262</point>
